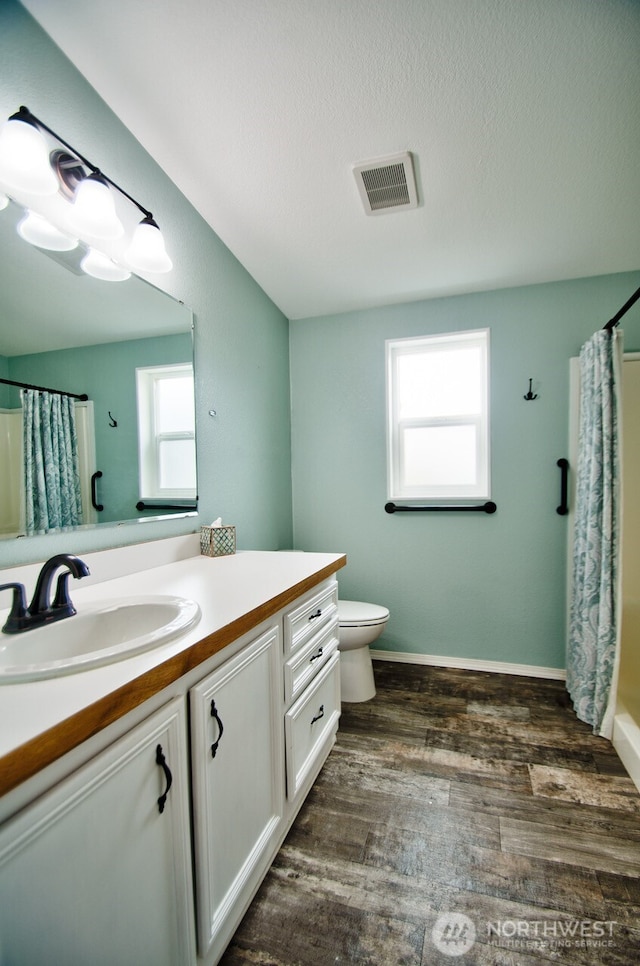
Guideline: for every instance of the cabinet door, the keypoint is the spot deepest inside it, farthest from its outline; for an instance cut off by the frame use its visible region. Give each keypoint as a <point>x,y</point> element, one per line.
<point>93,872</point>
<point>237,777</point>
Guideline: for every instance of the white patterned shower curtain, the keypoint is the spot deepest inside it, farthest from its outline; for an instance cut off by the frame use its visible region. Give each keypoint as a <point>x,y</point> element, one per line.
<point>594,633</point>
<point>51,466</point>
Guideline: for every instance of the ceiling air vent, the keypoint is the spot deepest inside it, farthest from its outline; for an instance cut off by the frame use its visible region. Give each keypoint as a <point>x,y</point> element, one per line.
<point>387,184</point>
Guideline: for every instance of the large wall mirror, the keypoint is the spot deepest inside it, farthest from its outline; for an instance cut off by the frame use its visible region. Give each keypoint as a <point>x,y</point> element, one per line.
<point>115,342</point>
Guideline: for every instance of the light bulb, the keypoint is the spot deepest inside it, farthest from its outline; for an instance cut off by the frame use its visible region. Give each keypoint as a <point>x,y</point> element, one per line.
<point>146,252</point>
<point>100,266</point>
<point>24,157</point>
<point>93,212</point>
<point>38,231</point>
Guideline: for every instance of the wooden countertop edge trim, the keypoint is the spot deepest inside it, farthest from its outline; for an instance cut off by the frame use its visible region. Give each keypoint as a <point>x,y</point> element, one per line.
<point>28,759</point>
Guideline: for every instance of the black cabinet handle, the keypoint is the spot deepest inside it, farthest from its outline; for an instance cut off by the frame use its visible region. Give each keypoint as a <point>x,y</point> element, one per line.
<point>563,509</point>
<point>214,714</point>
<point>318,613</point>
<point>319,715</point>
<point>315,657</point>
<point>162,761</point>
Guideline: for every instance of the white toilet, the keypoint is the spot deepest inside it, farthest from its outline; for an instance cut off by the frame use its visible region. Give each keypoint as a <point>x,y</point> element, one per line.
<point>360,625</point>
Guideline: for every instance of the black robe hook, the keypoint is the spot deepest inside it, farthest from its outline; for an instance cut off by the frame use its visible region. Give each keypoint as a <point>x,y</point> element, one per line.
<point>112,422</point>
<point>530,395</point>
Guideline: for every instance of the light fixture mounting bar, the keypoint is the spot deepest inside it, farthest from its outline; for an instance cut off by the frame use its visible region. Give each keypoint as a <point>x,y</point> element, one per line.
<point>25,114</point>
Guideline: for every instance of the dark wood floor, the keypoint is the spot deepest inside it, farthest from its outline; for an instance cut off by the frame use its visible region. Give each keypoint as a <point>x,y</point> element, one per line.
<point>455,805</point>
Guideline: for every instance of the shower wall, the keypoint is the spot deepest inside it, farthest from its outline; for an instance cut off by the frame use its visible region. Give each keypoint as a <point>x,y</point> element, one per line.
<point>629,681</point>
<point>626,725</point>
<point>10,471</point>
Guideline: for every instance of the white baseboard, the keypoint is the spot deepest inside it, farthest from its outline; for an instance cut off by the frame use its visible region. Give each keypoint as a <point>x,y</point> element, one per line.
<point>470,664</point>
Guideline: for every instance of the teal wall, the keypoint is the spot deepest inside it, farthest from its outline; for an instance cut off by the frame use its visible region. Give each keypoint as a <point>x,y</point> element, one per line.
<point>241,342</point>
<point>110,371</point>
<point>461,585</point>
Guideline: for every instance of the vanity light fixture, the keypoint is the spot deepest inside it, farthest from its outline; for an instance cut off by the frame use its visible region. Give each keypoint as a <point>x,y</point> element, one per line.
<point>72,197</point>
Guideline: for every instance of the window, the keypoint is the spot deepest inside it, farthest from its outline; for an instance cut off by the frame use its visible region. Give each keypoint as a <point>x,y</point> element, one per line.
<point>438,419</point>
<point>166,432</point>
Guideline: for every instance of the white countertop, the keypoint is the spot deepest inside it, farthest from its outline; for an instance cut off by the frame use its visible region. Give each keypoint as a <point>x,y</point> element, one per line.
<point>226,588</point>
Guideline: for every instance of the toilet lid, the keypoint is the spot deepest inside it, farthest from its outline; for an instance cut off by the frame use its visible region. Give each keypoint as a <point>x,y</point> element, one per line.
<point>355,613</point>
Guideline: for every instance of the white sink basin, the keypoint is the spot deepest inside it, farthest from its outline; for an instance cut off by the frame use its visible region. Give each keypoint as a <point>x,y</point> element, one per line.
<point>100,633</point>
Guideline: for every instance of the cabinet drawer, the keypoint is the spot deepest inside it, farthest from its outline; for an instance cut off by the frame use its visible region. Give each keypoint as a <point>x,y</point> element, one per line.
<point>309,722</point>
<point>308,660</point>
<point>300,624</point>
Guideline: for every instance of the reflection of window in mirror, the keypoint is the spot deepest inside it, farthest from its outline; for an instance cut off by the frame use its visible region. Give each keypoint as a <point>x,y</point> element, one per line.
<point>166,432</point>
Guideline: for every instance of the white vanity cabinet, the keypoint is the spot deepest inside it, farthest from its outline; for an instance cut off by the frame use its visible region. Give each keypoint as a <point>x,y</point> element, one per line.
<point>148,850</point>
<point>98,870</point>
<point>238,785</point>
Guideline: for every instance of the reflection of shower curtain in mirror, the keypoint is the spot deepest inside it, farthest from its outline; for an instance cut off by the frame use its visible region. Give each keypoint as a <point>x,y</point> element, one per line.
<point>52,477</point>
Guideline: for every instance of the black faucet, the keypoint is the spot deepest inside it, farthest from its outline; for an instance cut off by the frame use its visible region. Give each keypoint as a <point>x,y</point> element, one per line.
<point>41,610</point>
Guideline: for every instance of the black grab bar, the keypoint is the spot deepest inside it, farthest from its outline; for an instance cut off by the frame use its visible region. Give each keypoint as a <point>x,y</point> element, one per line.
<point>487,507</point>
<point>186,507</point>
<point>563,509</point>
<point>94,491</point>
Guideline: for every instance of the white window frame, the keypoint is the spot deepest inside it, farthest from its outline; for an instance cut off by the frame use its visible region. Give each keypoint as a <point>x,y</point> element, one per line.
<point>397,488</point>
<point>149,438</point>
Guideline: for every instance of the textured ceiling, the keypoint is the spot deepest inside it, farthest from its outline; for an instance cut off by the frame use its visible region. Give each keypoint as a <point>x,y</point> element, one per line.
<point>522,115</point>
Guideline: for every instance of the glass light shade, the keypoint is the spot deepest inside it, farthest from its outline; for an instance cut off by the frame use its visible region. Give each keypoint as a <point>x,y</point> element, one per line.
<point>93,212</point>
<point>100,266</point>
<point>146,252</point>
<point>24,159</point>
<point>38,231</point>
<point>4,201</point>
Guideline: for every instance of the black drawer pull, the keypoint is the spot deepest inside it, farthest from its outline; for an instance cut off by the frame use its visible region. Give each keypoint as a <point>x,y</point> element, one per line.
<point>161,760</point>
<point>214,714</point>
<point>318,613</point>
<point>315,657</point>
<point>318,716</point>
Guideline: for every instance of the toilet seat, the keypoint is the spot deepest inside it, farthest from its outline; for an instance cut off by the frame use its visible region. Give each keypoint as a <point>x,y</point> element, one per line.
<point>357,613</point>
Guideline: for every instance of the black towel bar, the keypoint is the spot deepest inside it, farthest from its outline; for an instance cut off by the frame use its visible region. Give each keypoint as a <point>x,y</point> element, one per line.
<point>186,507</point>
<point>487,507</point>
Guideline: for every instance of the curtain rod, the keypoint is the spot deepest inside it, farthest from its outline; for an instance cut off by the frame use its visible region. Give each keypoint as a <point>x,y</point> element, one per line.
<point>611,324</point>
<point>57,392</point>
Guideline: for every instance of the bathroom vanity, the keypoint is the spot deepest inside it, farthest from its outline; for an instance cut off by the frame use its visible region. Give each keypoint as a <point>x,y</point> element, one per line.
<point>144,801</point>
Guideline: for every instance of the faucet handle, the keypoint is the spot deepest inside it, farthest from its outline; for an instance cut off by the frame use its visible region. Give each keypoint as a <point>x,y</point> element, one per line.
<point>18,613</point>
<point>62,601</point>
